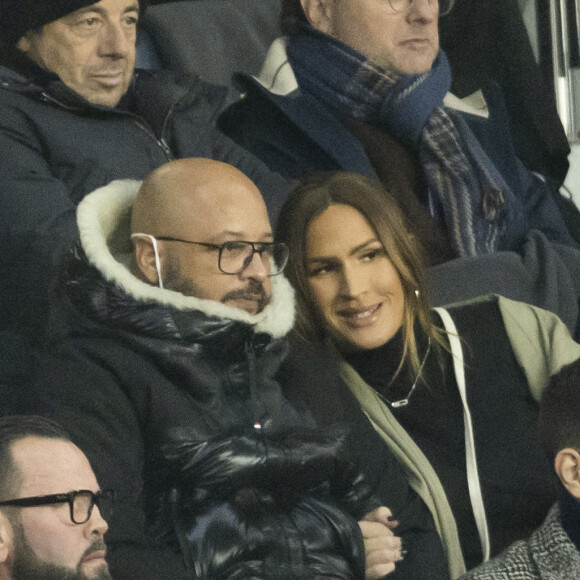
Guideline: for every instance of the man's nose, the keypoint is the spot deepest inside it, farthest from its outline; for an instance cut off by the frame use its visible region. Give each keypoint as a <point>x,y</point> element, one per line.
<point>257,268</point>
<point>97,524</point>
<point>116,40</point>
<point>426,10</point>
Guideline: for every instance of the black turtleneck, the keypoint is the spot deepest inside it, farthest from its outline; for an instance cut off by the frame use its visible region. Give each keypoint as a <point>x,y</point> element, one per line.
<point>433,418</point>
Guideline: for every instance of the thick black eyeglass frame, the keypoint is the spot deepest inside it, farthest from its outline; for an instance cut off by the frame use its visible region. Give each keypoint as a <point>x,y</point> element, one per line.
<point>220,248</point>
<point>68,497</point>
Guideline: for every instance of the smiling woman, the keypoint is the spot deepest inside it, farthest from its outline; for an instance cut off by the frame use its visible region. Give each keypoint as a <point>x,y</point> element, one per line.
<point>350,249</point>
<point>353,284</point>
<point>358,275</point>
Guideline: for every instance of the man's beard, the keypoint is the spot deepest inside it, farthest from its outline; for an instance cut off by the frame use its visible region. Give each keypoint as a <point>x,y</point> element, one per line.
<point>254,287</point>
<point>173,280</point>
<point>27,566</point>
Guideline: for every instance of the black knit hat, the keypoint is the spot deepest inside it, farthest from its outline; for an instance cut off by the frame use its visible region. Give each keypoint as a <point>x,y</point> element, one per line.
<point>19,16</point>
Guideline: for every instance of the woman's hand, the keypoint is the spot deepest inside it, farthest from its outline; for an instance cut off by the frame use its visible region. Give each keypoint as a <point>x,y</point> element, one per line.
<point>382,547</point>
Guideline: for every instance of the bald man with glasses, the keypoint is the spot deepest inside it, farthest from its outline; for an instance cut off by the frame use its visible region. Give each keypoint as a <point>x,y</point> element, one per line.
<point>51,507</point>
<point>234,451</point>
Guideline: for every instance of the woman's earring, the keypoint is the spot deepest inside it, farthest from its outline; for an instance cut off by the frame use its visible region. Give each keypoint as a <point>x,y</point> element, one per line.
<point>417,293</point>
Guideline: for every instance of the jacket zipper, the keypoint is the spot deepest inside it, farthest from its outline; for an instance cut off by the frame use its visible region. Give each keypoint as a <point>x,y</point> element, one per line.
<point>137,121</point>
<point>253,383</point>
<point>140,124</point>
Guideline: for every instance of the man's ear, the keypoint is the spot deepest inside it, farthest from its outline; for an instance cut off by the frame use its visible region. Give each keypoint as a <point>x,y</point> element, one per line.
<point>6,545</point>
<point>23,44</point>
<point>318,13</point>
<point>145,259</point>
<point>567,466</point>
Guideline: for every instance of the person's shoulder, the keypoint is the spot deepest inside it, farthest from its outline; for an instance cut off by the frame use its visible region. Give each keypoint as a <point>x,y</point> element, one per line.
<point>540,340</point>
<point>513,564</point>
<point>252,99</point>
<point>16,88</point>
<point>186,88</point>
<point>316,352</point>
<point>487,302</point>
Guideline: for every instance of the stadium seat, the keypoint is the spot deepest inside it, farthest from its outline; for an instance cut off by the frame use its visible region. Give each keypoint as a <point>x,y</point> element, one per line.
<point>211,38</point>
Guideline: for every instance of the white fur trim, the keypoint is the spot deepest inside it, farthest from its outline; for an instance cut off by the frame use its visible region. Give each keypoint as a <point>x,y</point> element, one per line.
<point>103,219</point>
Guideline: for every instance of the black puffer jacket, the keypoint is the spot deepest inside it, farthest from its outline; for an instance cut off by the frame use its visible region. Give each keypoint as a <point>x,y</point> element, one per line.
<point>56,147</point>
<point>229,448</point>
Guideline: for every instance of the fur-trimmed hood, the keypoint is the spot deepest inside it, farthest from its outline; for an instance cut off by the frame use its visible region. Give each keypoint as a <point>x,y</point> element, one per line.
<point>103,219</point>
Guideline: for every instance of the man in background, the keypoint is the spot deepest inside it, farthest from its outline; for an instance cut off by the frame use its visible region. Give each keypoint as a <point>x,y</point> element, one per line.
<point>51,527</point>
<point>553,550</point>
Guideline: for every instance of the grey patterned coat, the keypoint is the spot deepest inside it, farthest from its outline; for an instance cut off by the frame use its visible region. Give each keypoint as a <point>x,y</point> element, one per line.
<point>549,554</point>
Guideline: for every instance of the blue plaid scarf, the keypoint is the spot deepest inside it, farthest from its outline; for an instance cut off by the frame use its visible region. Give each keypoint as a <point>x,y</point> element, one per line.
<point>462,181</point>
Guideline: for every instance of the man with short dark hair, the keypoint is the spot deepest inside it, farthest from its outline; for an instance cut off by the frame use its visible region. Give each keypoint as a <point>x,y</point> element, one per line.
<point>234,451</point>
<point>75,115</point>
<point>51,527</point>
<point>553,550</point>
<point>362,86</point>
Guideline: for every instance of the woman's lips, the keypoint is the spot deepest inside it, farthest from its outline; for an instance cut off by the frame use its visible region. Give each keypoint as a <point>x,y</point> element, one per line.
<point>360,317</point>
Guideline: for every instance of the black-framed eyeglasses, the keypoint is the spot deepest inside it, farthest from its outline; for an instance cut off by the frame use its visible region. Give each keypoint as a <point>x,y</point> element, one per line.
<point>234,257</point>
<point>80,502</point>
<point>444,5</point>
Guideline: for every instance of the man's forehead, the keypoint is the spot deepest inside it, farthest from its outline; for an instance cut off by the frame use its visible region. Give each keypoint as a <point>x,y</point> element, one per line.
<point>221,214</point>
<point>257,235</point>
<point>45,465</point>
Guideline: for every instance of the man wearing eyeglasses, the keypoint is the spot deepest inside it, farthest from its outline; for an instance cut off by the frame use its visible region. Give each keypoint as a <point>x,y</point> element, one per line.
<point>233,451</point>
<point>51,518</point>
<point>363,86</point>
<point>228,228</point>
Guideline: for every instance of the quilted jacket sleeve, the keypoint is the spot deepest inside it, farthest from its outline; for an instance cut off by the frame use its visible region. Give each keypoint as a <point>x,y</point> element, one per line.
<point>296,463</point>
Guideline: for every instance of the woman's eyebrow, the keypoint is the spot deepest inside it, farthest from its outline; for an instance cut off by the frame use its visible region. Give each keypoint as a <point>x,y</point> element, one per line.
<point>352,252</point>
<point>363,246</point>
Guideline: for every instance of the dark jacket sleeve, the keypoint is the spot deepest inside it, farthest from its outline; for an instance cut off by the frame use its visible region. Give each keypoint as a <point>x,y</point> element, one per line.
<point>220,466</point>
<point>258,125</point>
<point>314,382</point>
<point>536,195</point>
<point>37,222</point>
<point>104,419</point>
